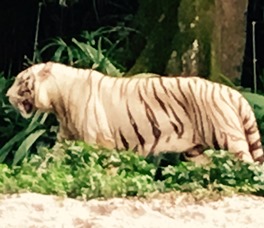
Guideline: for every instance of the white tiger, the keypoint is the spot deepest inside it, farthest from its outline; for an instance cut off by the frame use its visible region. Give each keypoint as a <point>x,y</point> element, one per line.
<point>148,115</point>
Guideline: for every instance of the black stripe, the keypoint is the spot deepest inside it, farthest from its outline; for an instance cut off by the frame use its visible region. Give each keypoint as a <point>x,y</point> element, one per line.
<point>245,120</point>
<point>214,140</point>
<point>260,159</point>
<point>175,127</point>
<point>124,141</point>
<point>202,133</point>
<point>216,107</point>
<point>184,107</point>
<point>135,149</point>
<point>240,103</point>
<point>162,85</point>
<point>153,121</point>
<point>254,146</point>
<point>206,122</point>
<point>195,151</point>
<point>181,91</point>
<point>212,119</point>
<point>156,132</point>
<point>251,130</point>
<point>178,80</point>
<point>125,85</point>
<point>147,108</point>
<point>199,120</point>
<point>135,127</point>
<point>161,103</point>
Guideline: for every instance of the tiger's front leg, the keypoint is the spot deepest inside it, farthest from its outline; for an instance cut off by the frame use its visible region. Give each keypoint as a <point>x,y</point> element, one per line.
<point>237,145</point>
<point>64,133</point>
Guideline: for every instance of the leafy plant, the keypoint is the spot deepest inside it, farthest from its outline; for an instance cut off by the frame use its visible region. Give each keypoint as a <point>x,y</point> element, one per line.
<point>225,172</point>
<point>89,50</point>
<point>78,170</point>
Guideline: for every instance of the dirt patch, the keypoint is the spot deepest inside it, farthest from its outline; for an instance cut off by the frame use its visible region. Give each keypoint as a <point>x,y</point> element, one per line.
<point>169,210</point>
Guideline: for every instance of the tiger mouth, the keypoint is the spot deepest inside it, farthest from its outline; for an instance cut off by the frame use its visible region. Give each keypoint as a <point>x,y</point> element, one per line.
<point>28,107</point>
<point>25,107</point>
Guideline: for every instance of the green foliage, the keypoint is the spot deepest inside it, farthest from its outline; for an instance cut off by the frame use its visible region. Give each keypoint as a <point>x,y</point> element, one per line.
<point>224,173</point>
<point>78,170</point>
<point>92,49</point>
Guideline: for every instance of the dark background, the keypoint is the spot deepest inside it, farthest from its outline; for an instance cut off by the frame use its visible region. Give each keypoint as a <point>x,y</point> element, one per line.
<point>19,18</point>
<point>255,12</point>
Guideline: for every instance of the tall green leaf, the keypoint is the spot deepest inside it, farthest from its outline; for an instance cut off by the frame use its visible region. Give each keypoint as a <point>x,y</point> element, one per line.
<point>98,58</point>
<point>26,145</point>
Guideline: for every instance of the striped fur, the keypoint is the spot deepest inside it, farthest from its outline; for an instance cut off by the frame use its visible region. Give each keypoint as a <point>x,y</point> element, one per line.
<point>147,115</point>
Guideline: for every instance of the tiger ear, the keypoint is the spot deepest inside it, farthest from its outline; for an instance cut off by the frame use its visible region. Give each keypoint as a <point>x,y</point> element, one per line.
<point>45,72</point>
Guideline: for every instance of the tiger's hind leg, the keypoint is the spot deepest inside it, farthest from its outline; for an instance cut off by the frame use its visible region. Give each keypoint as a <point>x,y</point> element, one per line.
<point>240,149</point>
<point>235,144</point>
<point>196,155</point>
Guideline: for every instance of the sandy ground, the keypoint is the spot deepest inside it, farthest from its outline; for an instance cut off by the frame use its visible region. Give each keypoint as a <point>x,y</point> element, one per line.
<point>35,210</point>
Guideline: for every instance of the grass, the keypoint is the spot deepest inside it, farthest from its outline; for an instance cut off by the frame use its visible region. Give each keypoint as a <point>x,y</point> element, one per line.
<point>77,170</point>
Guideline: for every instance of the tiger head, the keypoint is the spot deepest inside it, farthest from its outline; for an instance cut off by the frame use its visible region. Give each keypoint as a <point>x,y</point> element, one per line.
<point>25,95</point>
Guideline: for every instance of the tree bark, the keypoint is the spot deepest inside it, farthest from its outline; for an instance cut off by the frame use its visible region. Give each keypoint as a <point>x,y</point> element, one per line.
<point>173,27</point>
<point>228,38</point>
<point>157,21</point>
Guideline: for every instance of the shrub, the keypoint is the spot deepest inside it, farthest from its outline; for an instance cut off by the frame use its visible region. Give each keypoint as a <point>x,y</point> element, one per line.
<point>78,170</point>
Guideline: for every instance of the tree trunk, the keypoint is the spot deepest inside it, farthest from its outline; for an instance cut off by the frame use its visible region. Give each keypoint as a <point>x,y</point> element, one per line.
<point>228,38</point>
<point>191,37</point>
<point>158,22</point>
